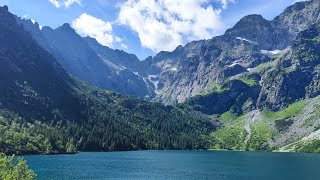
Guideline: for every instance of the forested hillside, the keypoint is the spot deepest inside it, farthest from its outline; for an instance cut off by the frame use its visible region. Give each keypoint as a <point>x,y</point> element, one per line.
<point>45,110</point>
<point>254,88</point>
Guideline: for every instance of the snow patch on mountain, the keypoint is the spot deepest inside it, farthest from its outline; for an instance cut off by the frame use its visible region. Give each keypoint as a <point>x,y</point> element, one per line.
<point>174,69</point>
<point>155,82</point>
<point>274,52</point>
<point>247,40</point>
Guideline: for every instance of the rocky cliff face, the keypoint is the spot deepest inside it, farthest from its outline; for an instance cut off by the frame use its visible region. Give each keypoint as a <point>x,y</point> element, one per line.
<point>194,69</point>
<point>235,96</point>
<point>296,76</point>
<point>295,19</point>
<point>37,94</point>
<point>280,32</point>
<point>89,61</point>
<point>31,81</point>
<point>200,66</point>
<point>197,67</point>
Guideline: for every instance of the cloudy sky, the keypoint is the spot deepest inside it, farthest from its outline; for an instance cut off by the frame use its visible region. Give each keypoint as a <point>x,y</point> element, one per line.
<point>145,27</point>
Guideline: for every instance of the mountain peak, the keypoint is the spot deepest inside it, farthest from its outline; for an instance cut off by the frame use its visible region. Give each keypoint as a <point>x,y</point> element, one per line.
<point>47,28</point>
<point>305,8</point>
<point>65,27</point>
<point>6,18</point>
<point>4,8</point>
<point>253,19</point>
<point>298,17</point>
<point>298,6</point>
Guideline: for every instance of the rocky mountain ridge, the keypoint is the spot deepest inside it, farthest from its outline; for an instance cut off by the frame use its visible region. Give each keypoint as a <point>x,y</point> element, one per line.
<point>259,82</point>
<point>195,68</point>
<point>45,110</point>
<point>91,62</point>
<point>275,106</point>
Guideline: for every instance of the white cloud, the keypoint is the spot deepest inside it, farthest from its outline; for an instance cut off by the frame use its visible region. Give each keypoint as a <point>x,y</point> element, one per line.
<point>56,3</point>
<point>225,3</point>
<point>87,25</point>
<point>118,39</point>
<point>124,46</point>
<point>68,3</point>
<point>65,3</point>
<point>165,24</point>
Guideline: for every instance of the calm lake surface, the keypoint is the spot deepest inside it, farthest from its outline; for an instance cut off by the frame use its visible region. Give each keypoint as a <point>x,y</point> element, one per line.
<point>178,165</point>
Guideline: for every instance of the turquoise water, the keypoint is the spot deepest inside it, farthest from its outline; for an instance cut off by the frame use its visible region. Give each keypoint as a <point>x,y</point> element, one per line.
<point>178,165</point>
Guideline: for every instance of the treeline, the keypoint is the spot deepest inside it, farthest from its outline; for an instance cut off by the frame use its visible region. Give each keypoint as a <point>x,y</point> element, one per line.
<point>45,110</point>
<point>106,122</point>
<point>125,124</point>
<point>18,136</point>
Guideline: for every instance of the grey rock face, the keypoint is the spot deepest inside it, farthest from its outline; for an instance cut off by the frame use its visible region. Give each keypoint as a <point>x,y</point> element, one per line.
<point>193,69</point>
<point>87,60</point>
<point>295,19</point>
<point>280,32</point>
<point>120,59</point>
<point>200,66</point>
<point>296,76</point>
<point>255,29</point>
<point>235,96</point>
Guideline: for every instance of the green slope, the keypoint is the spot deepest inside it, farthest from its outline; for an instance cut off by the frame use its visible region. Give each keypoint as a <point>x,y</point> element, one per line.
<point>45,110</point>
<point>295,128</point>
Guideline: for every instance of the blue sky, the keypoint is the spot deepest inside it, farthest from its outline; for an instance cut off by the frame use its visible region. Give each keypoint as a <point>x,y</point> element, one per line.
<point>145,27</point>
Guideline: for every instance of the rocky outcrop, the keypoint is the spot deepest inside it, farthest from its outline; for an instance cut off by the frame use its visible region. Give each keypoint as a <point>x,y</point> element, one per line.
<point>296,76</point>
<point>91,62</point>
<point>236,96</point>
<point>295,19</point>
<point>40,100</point>
<point>197,67</point>
<point>192,69</point>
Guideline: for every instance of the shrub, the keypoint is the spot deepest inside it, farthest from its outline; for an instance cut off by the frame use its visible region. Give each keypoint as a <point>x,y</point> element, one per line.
<point>14,169</point>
